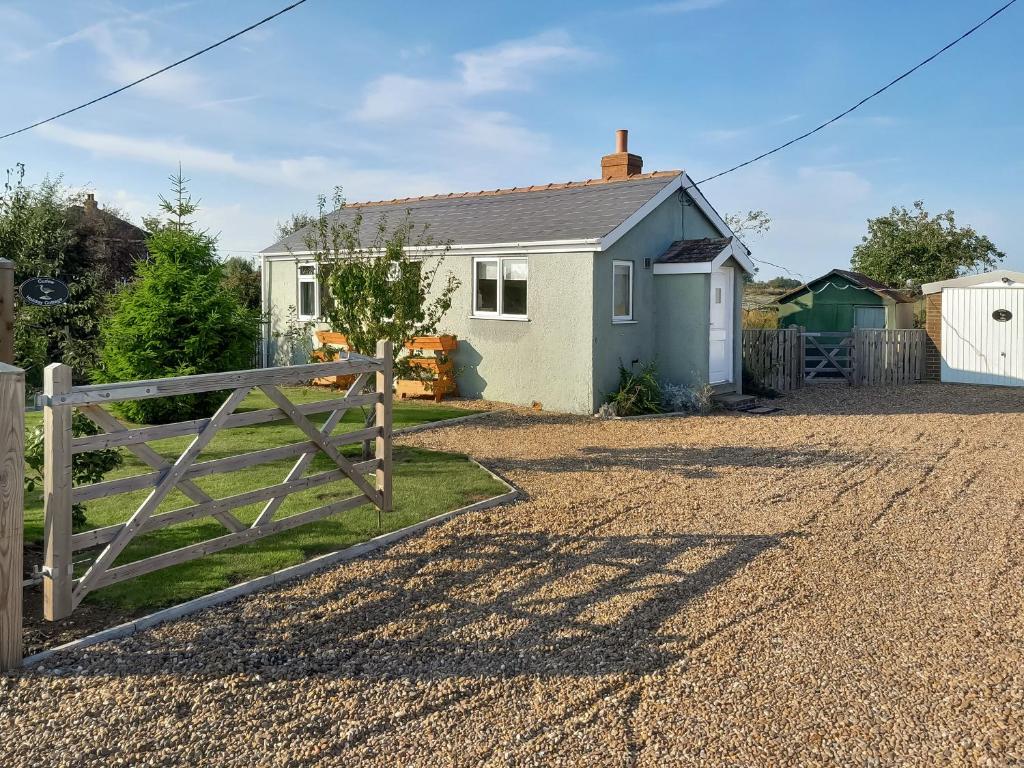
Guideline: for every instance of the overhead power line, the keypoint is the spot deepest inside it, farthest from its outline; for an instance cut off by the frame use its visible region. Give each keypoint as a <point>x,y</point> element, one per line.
<point>862,102</point>
<point>160,71</point>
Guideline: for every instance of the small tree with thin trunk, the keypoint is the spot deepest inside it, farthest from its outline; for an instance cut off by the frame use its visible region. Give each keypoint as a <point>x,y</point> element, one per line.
<point>388,288</point>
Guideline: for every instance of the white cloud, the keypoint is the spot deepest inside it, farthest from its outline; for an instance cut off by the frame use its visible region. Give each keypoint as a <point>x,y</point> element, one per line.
<point>681,6</point>
<point>818,214</point>
<point>509,66</point>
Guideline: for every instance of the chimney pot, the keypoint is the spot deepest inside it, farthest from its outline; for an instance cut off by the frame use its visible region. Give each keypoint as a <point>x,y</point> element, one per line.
<point>90,204</point>
<point>621,164</point>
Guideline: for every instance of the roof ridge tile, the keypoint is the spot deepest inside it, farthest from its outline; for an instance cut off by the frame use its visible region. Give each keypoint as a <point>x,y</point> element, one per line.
<point>511,190</point>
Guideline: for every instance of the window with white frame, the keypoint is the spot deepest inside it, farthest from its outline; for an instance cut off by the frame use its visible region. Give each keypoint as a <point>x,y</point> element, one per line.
<point>308,289</point>
<point>500,288</point>
<point>622,291</point>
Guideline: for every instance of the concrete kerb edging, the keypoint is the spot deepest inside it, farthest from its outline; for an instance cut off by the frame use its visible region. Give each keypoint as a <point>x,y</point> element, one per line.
<point>279,577</point>
<point>443,423</point>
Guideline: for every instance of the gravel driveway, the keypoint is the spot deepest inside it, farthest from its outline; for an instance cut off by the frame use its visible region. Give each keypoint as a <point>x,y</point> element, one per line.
<point>837,584</point>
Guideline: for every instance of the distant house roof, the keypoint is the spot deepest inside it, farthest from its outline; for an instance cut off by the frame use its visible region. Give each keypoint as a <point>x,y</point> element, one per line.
<point>858,279</point>
<point>694,251</point>
<point>1000,276</point>
<point>575,210</point>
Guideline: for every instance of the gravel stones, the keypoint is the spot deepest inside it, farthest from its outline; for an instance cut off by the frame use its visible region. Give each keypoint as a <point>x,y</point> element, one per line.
<point>837,584</point>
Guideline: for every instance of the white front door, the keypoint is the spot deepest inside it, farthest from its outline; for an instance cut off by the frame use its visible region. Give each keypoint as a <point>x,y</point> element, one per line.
<point>722,289</point>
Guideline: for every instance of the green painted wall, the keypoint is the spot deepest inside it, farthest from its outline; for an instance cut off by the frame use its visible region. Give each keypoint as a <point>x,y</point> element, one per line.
<point>627,342</point>
<point>546,359</point>
<point>681,332</point>
<point>832,309</point>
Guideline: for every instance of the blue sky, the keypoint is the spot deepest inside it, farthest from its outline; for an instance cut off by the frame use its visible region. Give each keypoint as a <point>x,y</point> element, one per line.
<point>392,99</point>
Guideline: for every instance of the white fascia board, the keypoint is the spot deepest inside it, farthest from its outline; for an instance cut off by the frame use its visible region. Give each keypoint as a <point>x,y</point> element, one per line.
<point>737,252</point>
<point>972,281</point>
<point>700,268</point>
<point>481,249</point>
<point>640,213</point>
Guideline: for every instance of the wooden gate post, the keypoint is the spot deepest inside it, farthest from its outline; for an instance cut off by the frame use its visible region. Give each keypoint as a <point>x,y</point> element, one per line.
<point>12,478</point>
<point>7,311</point>
<point>57,567</point>
<point>385,385</point>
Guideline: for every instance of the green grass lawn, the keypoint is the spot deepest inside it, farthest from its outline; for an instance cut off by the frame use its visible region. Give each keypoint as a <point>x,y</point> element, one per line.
<point>426,483</point>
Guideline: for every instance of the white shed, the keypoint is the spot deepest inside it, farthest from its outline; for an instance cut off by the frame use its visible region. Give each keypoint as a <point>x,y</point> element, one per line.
<point>976,328</point>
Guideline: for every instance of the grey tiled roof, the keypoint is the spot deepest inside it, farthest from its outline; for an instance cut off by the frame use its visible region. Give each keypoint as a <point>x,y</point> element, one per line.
<point>694,251</point>
<point>581,210</point>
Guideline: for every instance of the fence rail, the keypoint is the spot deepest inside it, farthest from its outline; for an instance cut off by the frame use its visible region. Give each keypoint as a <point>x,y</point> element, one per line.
<point>775,357</point>
<point>63,591</point>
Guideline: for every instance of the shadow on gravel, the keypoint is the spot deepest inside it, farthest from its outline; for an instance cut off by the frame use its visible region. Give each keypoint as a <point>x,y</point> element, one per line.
<point>689,462</point>
<point>476,606</point>
<point>911,399</point>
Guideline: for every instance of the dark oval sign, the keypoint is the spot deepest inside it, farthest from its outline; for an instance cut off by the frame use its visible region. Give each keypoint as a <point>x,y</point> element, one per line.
<point>1002,315</point>
<point>44,291</point>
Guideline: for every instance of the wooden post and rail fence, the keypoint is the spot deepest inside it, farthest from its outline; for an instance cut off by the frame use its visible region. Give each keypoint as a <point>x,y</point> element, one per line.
<point>786,358</point>
<point>63,587</point>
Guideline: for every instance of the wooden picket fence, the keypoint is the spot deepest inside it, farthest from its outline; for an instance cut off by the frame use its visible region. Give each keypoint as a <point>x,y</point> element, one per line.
<point>786,358</point>
<point>887,357</point>
<point>775,356</point>
<point>63,591</point>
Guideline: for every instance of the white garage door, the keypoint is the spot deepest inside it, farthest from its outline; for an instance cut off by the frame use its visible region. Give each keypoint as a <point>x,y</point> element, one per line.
<point>983,336</point>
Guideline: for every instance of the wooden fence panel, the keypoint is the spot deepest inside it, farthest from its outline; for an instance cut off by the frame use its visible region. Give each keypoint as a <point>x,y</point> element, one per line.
<point>775,356</point>
<point>883,357</point>
<point>63,592</point>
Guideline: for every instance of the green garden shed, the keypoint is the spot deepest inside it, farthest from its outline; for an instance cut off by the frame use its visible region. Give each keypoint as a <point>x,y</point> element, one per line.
<point>843,300</point>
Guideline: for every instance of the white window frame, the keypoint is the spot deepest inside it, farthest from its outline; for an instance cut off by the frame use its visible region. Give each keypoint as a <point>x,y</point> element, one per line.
<point>299,280</point>
<point>623,318</point>
<point>500,314</point>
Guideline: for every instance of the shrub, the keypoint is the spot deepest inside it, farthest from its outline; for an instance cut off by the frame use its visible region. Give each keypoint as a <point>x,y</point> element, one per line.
<point>85,467</point>
<point>176,320</point>
<point>753,384</point>
<point>679,398</point>
<point>639,391</point>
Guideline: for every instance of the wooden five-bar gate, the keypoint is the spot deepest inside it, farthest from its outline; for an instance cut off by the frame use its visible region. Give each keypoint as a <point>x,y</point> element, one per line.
<point>63,590</point>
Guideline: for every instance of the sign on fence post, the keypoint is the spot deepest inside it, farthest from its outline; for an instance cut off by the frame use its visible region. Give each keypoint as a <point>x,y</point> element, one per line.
<point>57,581</point>
<point>12,478</point>
<point>7,311</point>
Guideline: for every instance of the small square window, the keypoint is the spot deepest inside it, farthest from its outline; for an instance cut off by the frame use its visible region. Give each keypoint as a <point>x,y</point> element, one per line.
<point>500,288</point>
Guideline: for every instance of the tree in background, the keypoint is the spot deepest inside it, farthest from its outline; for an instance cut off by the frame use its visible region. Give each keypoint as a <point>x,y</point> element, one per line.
<point>293,224</point>
<point>40,234</point>
<point>242,279</point>
<point>176,319</point>
<point>910,246</point>
<point>377,290</point>
<point>749,225</point>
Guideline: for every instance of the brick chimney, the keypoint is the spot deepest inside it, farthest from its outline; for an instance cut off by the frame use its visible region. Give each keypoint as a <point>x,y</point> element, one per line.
<point>621,164</point>
<point>90,204</point>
